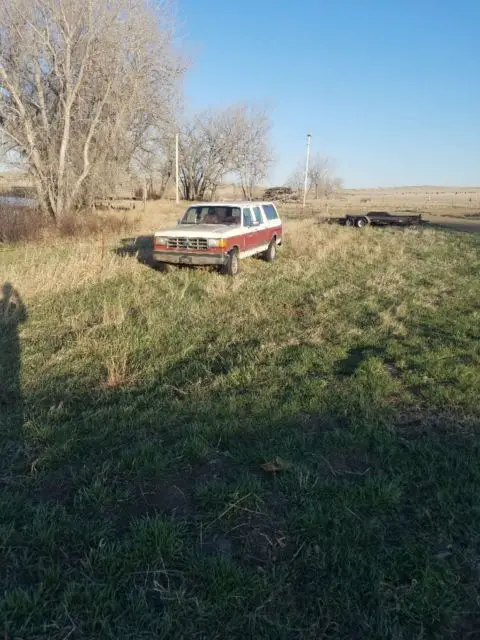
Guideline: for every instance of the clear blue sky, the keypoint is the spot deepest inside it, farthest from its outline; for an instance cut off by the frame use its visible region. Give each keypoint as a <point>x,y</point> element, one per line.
<point>389,88</point>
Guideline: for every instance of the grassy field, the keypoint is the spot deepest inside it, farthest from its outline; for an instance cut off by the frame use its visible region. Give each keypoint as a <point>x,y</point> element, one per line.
<point>293,453</point>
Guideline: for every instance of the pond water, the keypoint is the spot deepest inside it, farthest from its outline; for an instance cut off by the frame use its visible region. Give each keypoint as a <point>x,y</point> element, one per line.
<point>17,201</point>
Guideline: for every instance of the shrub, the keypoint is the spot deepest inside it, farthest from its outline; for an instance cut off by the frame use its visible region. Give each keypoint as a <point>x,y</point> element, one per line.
<point>93,224</point>
<point>20,224</point>
<point>152,194</point>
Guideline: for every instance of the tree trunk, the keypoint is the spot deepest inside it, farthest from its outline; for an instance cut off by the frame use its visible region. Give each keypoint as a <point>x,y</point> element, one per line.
<point>44,201</point>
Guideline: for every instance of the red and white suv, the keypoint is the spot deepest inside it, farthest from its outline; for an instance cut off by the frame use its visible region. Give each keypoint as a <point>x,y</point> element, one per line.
<point>221,234</point>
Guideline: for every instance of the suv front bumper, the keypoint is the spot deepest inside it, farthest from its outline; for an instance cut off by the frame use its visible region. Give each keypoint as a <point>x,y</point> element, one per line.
<point>196,259</point>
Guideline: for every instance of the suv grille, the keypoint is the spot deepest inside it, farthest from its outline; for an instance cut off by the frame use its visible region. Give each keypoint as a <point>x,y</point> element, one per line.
<point>187,243</point>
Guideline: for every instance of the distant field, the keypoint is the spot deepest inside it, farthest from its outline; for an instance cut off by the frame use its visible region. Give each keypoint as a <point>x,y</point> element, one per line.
<point>456,208</point>
<point>292,454</point>
<point>445,202</point>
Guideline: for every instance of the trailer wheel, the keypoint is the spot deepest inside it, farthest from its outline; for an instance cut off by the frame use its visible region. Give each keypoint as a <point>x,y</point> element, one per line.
<point>361,222</point>
<point>348,222</point>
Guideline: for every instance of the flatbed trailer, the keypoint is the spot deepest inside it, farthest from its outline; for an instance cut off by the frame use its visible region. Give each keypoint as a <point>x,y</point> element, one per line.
<point>381,219</point>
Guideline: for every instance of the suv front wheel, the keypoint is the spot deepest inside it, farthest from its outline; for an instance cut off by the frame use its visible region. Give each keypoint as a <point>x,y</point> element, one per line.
<point>232,266</point>
<point>271,253</point>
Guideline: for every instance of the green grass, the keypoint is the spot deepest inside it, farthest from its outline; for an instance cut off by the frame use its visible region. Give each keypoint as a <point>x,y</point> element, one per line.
<point>133,502</point>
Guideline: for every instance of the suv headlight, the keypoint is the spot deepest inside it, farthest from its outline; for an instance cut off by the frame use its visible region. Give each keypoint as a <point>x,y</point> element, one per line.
<point>162,241</point>
<point>216,243</point>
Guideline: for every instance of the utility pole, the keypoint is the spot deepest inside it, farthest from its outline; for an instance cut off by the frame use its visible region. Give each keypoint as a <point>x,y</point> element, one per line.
<point>309,139</point>
<point>177,197</point>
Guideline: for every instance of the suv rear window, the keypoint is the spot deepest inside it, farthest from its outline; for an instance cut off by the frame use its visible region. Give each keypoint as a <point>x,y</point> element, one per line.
<point>270,212</point>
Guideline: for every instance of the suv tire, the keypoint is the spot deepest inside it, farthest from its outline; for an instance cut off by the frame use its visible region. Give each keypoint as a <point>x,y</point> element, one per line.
<point>271,253</point>
<point>232,266</point>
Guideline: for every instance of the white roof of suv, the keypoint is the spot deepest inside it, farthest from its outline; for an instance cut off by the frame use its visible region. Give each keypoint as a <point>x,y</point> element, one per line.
<point>238,203</point>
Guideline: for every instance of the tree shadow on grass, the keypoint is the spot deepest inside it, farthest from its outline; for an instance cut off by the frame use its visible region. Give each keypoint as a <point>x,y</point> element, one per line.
<point>355,356</point>
<point>139,246</point>
<point>12,314</point>
<point>350,513</point>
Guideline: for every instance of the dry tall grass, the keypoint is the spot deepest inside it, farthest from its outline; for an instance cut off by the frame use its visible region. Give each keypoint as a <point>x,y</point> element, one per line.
<point>58,265</point>
<point>55,267</point>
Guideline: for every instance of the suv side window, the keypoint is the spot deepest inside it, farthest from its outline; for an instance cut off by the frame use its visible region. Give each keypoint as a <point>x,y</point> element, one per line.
<point>270,212</point>
<point>247,218</point>
<point>258,215</point>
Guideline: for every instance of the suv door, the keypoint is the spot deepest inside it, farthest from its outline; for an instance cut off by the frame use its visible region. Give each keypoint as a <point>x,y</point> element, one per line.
<point>263,233</point>
<point>251,230</point>
<point>273,222</point>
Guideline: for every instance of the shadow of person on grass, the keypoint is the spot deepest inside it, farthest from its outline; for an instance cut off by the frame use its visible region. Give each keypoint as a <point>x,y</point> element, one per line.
<point>12,313</point>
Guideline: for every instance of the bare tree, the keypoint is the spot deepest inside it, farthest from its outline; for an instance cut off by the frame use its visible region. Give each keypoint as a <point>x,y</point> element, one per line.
<point>216,143</point>
<point>336,185</point>
<point>205,151</point>
<point>320,174</point>
<point>154,161</point>
<point>82,83</point>
<point>207,145</point>
<point>321,177</point>
<point>297,178</point>
<point>253,153</point>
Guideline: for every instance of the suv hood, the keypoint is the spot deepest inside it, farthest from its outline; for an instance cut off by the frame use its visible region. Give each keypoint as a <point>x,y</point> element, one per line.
<point>200,231</point>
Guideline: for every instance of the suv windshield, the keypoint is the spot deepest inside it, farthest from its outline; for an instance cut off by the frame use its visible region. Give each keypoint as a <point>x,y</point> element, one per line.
<point>212,215</point>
